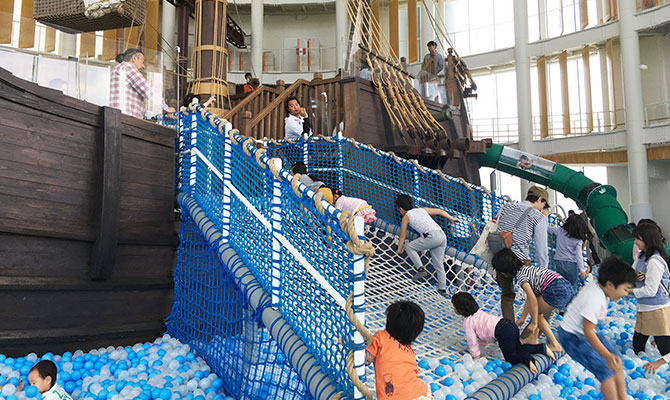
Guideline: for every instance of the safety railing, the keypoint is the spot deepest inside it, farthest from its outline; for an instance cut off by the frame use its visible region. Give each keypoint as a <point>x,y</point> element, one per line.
<point>506,129</point>
<point>295,243</point>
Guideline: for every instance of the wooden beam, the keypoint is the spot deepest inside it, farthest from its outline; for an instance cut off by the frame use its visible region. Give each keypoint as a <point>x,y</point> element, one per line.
<point>151,30</point>
<point>110,44</point>
<point>27,25</point>
<point>583,13</point>
<point>6,17</point>
<point>103,254</point>
<point>412,32</point>
<point>394,38</point>
<point>541,64</point>
<point>586,62</point>
<point>375,25</point>
<point>49,39</point>
<point>87,45</point>
<point>563,64</point>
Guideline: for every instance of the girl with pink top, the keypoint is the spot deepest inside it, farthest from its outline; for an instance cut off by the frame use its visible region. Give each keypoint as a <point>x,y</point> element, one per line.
<point>355,206</point>
<point>482,328</point>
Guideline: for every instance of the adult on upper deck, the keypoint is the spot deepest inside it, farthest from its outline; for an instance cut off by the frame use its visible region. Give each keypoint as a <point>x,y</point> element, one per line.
<point>297,121</point>
<point>129,90</point>
<point>433,63</point>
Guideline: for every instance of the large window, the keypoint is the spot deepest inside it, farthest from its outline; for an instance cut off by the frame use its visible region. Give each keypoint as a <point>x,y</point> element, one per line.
<point>480,26</point>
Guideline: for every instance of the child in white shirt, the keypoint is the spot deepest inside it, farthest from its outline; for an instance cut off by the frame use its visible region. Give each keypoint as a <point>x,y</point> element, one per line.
<point>577,332</point>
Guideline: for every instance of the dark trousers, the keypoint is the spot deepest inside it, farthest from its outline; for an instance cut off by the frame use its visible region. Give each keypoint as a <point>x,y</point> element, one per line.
<point>507,296</point>
<point>640,340</point>
<point>514,352</point>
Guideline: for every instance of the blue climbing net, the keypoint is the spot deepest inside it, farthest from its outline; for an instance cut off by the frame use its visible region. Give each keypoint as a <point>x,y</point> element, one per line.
<point>299,249</point>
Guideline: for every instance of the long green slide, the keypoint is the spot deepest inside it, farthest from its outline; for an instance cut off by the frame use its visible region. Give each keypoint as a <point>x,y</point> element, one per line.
<point>599,201</point>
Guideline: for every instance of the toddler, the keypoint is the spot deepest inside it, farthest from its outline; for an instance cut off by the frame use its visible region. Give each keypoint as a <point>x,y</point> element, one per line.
<point>396,370</point>
<point>355,206</point>
<point>43,377</point>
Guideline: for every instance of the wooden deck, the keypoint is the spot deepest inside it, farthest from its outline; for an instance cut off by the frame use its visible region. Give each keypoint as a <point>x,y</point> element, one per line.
<point>87,228</point>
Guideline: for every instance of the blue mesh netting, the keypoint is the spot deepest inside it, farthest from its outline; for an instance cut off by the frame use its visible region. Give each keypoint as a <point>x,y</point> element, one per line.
<point>212,315</point>
<point>314,251</point>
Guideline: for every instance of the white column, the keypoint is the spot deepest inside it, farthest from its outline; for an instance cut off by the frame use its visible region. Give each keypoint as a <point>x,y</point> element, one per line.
<point>522,64</point>
<point>542,17</point>
<point>168,34</point>
<point>342,33</point>
<point>257,37</point>
<point>638,176</point>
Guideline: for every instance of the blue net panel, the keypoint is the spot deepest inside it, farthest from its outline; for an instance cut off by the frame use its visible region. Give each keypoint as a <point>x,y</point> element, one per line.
<point>213,316</point>
<point>300,256</point>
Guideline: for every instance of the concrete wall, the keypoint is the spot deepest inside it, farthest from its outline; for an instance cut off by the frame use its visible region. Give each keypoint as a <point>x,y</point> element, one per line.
<point>659,187</point>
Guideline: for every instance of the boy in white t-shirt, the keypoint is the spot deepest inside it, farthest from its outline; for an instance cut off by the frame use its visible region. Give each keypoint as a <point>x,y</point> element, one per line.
<point>43,377</point>
<point>577,332</point>
<point>431,237</point>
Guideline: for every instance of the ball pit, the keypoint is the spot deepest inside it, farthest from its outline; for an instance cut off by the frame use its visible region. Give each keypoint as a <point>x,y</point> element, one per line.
<point>163,370</point>
<point>455,380</point>
<point>167,370</point>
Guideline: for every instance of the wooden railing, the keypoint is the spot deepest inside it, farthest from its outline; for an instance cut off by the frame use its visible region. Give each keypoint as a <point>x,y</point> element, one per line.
<point>261,114</point>
<point>252,102</point>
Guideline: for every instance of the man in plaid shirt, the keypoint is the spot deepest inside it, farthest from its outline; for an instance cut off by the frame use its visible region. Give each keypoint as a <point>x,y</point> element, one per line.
<point>129,89</point>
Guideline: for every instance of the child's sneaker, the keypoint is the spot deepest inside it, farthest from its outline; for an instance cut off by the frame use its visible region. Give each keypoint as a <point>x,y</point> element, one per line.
<point>420,274</point>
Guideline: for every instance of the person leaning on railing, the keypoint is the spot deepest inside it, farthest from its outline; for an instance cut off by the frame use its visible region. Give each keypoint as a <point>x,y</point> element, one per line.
<point>129,90</point>
<point>297,122</point>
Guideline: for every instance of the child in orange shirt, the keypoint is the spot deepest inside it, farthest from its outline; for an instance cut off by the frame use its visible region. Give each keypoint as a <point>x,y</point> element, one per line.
<point>396,370</point>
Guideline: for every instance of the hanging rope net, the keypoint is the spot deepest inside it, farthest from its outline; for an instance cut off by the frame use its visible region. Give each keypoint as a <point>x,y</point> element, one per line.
<point>327,279</point>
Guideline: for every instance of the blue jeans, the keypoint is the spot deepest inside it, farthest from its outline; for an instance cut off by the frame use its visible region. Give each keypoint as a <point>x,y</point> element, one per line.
<point>568,270</point>
<point>581,351</point>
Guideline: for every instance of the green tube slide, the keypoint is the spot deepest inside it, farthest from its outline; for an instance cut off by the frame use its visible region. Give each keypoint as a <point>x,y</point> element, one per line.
<point>599,201</point>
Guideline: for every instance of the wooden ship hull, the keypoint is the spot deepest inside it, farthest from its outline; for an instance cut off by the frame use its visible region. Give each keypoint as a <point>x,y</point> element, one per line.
<point>87,224</point>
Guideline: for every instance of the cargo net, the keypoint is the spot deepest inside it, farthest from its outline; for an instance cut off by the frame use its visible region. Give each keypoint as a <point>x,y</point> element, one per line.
<point>379,178</point>
<point>212,315</point>
<point>316,268</point>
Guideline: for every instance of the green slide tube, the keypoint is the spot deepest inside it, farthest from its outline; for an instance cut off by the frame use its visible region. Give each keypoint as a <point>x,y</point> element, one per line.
<point>599,201</point>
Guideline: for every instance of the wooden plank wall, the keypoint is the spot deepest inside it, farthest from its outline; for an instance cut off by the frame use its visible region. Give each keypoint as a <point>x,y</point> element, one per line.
<point>48,176</point>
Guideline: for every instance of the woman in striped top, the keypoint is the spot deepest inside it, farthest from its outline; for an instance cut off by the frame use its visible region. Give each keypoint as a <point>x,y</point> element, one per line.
<point>546,290</point>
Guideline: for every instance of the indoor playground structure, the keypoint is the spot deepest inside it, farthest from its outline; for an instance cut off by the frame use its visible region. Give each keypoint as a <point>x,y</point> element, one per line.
<point>278,290</point>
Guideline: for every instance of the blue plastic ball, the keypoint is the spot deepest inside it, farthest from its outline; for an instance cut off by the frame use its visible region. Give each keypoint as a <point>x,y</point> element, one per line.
<point>422,364</point>
<point>102,395</point>
<point>440,371</point>
<point>434,387</point>
<point>448,381</point>
<point>31,391</point>
<point>165,394</point>
<point>70,386</point>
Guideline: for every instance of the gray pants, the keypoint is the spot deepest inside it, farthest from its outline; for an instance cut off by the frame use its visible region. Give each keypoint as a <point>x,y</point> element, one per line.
<point>436,242</point>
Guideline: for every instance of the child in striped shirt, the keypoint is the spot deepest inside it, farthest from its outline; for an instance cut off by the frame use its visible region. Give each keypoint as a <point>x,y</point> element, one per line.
<point>481,328</point>
<point>545,290</point>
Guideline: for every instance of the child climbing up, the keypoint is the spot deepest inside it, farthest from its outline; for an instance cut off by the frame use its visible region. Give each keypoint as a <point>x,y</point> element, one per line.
<point>431,237</point>
<point>545,291</point>
<point>482,328</point>
<point>570,239</point>
<point>355,206</point>
<point>311,182</point>
<point>396,370</point>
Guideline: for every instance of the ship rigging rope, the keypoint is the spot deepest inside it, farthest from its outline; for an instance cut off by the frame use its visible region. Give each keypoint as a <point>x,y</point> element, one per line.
<point>405,108</point>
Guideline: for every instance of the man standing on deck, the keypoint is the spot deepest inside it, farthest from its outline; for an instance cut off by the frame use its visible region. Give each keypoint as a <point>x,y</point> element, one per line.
<point>433,63</point>
<point>129,89</point>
